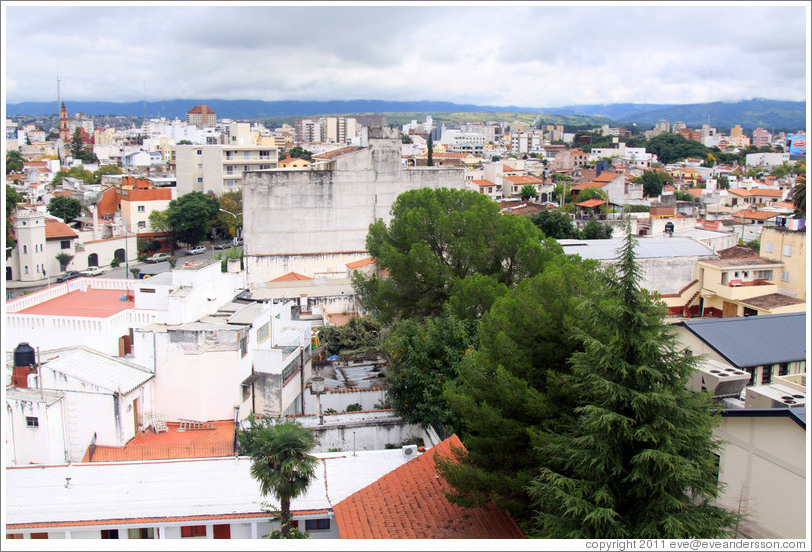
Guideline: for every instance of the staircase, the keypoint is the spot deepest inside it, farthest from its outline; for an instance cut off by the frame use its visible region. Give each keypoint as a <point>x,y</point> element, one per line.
<point>686,308</point>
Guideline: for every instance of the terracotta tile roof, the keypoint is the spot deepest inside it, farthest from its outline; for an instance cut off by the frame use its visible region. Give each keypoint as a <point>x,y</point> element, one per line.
<point>291,276</point>
<point>507,168</point>
<point>738,252</point>
<point>607,176</point>
<point>339,319</point>
<point>772,300</point>
<point>695,192</point>
<point>362,262</point>
<point>586,185</point>
<point>785,204</point>
<point>765,192</point>
<point>483,183</point>
<point>172,444</point>
<point>755,215</point>
<point>523,179</point>
<point>56,229</point>
<point>669,188</point>
<point>590,203</point>
<point>409,503</point>
<point>741,192</point>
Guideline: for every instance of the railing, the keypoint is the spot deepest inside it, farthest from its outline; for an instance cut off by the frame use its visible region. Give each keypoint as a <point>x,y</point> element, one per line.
<point>161,452</point>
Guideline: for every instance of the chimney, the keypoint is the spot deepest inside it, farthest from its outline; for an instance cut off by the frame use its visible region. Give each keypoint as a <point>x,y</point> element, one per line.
<point>24,365</point>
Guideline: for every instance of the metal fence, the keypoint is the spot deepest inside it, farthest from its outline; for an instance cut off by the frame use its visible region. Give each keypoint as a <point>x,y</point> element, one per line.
<point>162,452</point>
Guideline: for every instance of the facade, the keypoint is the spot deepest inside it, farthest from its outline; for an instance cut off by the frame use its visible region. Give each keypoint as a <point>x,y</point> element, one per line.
<point>788,247</point>
<point>219,168</point>
<point>316,221</point>
<point>201,116</point>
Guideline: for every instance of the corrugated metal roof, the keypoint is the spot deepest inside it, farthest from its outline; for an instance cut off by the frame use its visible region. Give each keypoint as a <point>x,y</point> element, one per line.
<point>646,248</point>
<point>248,313</point>
<point>754,340</point>
<point>103,371</point>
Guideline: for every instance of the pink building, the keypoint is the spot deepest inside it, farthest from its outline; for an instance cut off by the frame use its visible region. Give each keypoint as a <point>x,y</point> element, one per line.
<point>761,138</point>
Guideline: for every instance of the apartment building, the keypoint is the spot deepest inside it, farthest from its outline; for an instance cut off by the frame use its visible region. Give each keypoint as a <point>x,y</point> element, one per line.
<point>201,116</point>
<point>219,168</point>
<point>780,244</point>
<point>308,131</point>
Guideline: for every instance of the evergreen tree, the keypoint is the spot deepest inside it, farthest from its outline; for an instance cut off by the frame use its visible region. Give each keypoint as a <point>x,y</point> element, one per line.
<point>640,459</point>
<point>430,154</point>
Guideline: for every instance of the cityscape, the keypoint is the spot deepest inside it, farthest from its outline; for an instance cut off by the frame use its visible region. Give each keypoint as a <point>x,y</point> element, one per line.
<point>512,295</point>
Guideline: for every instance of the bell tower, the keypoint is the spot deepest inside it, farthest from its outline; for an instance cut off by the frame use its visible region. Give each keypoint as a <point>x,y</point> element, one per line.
<point>64,133</point>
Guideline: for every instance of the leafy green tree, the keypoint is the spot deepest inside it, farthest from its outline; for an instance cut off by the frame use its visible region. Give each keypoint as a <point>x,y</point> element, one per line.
<point>191,216</point>
<point>798,195</point>
<point>159,221</point>
<point>670,148</point>
<point>528,191</point>
<point>65,207</point>
<point>430,151</point>
<point>14,162</point>
<point>591,193</point>
<point>12,199</point>
<point>639,460</point>
<point>230,221</point>
<point>105,169</point>
<point>79,151</point>
<point>298,152</point>
<point>78,172</point>
<point>595,230</point>
<point>357,334</point>
<point>424,355</point>
<point>406,139</point>
<point>64,259</point>
<point>555,224</point>
<point>723,183</point>
<point>653,182</point>
<point>437,238</point>
<point>281,461</point>
<point>512,384</point>
<point>184,143</point>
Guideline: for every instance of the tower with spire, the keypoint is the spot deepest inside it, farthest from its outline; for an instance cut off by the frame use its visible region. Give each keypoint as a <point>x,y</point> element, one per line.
<point>64,133</point>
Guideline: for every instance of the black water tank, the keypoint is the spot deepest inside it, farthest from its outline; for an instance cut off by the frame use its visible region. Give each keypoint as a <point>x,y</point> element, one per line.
<point>24,355</point>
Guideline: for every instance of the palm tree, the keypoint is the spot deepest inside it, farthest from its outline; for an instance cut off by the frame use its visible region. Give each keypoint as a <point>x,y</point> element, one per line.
<point>281,461</point>
<point>799,195</point>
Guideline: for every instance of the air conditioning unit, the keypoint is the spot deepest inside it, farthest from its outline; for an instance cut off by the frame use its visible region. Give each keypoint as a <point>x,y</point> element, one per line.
<point>774,395</point>
<point>720,379</point>
<point>410,451</point>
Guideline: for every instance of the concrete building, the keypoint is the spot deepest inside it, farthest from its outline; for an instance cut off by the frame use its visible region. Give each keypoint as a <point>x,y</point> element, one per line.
<point>219,168</point>
<point>40,239</point>
<point>308,131</point>
<point>316,221</point>
<point>201,116</point>
<point>780,244</point>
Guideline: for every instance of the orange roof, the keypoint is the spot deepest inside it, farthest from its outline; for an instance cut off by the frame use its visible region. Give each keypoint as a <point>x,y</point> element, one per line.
<point>786,204</point>
<point>586,185</point>
<point>590,203</point>
<point>741,192</point>
<point>56,229</point>
<point>765,192</point>
<point>695,192</point>
<point>199,109</point>
<point>669,188</point>
<point>483,183</point>
<point>409,503</point>
<point>362,262</point>
<point>507,168</point>
<point>755,215</point>
<point>172,444</point>
<point>93,303</point>
<point>607,176</point>
<point>291,276</point>
<point>523,179</point>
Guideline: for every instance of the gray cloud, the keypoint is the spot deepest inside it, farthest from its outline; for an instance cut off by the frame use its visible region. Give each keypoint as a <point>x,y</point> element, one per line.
<point>499,55</point>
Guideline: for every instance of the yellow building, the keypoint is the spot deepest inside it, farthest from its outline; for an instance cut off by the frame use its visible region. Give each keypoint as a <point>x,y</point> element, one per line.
<point>788,247</point>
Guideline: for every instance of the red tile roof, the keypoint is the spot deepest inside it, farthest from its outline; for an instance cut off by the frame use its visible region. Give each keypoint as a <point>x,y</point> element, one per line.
<point>55,229</point>
<point>607,176</point>
<point>409,503</point>
<point>765,192</point>
<point>483,183</point>
<point>291,276</point>
<point>362,262</point>
<point>523,179</point>
<point>590,203</point>
<point>755,215</point>
<point>741,192</point>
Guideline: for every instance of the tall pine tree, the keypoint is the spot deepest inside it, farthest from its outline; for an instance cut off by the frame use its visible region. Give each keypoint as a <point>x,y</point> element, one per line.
<point>640,459</point>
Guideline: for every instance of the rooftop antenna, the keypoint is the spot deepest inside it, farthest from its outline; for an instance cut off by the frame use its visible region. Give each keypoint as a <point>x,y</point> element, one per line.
<point>710,95</point>
<point>58,91</point>
<point>144,97</point>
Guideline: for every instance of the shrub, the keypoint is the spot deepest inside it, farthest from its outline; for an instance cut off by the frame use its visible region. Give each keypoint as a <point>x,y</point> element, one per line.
<point>115,263</point>
<point>354,407</point>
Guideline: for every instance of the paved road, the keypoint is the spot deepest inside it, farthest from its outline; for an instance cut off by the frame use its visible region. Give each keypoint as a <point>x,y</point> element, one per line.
<point>120,272</point>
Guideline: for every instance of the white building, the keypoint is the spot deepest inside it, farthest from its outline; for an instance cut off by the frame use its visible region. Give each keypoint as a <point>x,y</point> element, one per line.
<point>219,168</point>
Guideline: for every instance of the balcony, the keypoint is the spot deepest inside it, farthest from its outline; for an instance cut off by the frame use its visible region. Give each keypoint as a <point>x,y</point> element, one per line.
<point>738,290</point>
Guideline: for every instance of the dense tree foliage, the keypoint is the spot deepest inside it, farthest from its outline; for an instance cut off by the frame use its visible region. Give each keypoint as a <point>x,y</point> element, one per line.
<point>105,169</point>
<point>594,230</point>
<point>78,172</point>
<point>357,334</point>
<point>670,148</point>
<point>653,182</point>
<point>424,355</point>
<point>231,202</point>
<point>639,458</point>
<point>298,152</point>
<point>798,196</point>
<point>528,191</point>
<point>14,162</point>
<point>438,238</point>
<point>65,207</point>
<point>512,383</point>
<point>281,461</point>
<point>191,216</point>
<point>159,221</point>
<point>555,224</point>
<point>12,199</point>
<point>79,151</point>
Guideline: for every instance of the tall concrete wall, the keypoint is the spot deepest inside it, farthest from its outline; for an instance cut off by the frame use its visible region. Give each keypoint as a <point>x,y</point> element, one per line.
<point>291,216</point>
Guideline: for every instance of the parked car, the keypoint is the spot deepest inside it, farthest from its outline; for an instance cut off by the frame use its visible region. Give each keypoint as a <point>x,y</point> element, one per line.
<point>196,250</point>
<point>224,245</point>
<point>237,242</point>
<point>158,257</point>
<point>92,271</point>
<point>70,275</point>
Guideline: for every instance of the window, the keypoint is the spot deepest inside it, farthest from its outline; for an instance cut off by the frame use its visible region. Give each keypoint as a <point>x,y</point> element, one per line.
<point>244,346</point>
<point>200,179</point>
<point>246,392</point>
<point>783,369</point>
<point>39,535</point>
<point>745,274</point>
<point>147,290</point>
<point>109,533</point>
<point>262,332</point>
<point>142,533</point>
<point>787,251</point>
<point>200,152</point>
<point>752,372</point>
<point>25,249</point>
<point>31,421</point>
<point>142,224</point>
<point>191,531</point>
<point>785,275</point>
<point>766,374</point>
<point>26,269</point>
<point>317,524</point>
<point>64,244</point>
<point>142,209</point>
<point>200,165</point>
<point>768,247</point>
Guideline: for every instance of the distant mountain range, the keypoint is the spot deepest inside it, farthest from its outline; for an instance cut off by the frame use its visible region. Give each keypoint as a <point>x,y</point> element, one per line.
<point>770,114</point>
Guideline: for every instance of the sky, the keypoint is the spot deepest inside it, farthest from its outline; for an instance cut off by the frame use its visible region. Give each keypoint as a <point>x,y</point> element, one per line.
<point>522,54</point>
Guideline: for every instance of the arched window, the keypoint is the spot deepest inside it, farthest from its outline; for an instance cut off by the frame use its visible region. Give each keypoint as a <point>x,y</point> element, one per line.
<point>119,254</point>
<point>93,260</point>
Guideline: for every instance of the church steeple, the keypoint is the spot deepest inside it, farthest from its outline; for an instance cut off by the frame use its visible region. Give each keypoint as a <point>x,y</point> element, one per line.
<point>64,133</point>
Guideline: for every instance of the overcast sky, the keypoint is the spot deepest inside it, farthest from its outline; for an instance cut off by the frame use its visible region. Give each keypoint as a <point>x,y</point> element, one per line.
<point>524,55</point>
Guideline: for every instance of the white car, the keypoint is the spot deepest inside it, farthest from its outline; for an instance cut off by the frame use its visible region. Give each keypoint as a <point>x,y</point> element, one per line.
<point>92,271</point>
<point>196,250</point>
